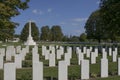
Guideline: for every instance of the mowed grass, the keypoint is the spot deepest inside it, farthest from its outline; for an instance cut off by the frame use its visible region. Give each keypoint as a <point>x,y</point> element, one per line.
<point>74,71</point>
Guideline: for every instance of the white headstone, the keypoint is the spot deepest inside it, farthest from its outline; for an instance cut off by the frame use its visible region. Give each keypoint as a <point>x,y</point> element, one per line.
<point>118,66</point>
<point>80,57</point>
<point>43,50</point>
<point>59,54</point>
<point>93,57</point>
<point>9,71</point>
<point>62,70</point>
<point>1,61</point>
<point>84,50</point>
<point>18,61</point>
<point>104,67</point>
<point>85,69</point>
<point>104,54</point>
<point>52,59</point>
<point>114,56</point>
<point>47,52</point>
<point>110,51</point>
<point>88,53</point>
<point>35,56</point>
<point>2,51</point>
<point>18,49</point>
<point>38,71</point>
<point>67,58</point>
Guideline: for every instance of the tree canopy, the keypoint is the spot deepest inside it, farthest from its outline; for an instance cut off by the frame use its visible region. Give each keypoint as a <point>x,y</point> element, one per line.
<point>57,34</point>
<point>95,27</point>
<point>45,33</point>
<point>110,14</point>
<point>9,9</point>
<point>51,34</point>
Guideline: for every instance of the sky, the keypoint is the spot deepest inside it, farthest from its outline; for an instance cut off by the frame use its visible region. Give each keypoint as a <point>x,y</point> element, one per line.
<point>71,15</point>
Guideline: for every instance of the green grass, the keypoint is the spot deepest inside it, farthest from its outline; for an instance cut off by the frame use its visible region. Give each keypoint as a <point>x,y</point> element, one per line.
<point>73,71</point>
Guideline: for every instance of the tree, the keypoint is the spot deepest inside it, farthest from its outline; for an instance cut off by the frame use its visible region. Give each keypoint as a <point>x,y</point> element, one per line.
<point>74,39</point>
<point>57,34</point>
<point>83,37</point>
<point>34,32</point>
<point>110,15</point>
<point>9,9</point>
<point>94,27</point>
<point>45,33</point>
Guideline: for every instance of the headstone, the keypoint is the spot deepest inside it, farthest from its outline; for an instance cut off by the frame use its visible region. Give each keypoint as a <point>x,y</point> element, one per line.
<point>62,70</point>
<point>2,51</point>
<point>47,52</point>
<point>88,53</point>
<point>84,50</point>
<point>43,50</point>
<point>93,57</point>
<point>52,59</point>
<point>85,69</point>
<point>35,56</point>
<point>23,53</point>
<point>104,54</point>
<point>18,49</point>
<point>10,51</point>
<point>38,71</point>
<point>67,58</point>
<point>110,51</point>
<point>104,67</point>
<point>9,71</point>
<point>1,61</point>
<point>80,57</point>
<point>118,66</point>
<point>59,53</point>
<point>96,52</point>
<point>114,56</point>
<point>18,61</point>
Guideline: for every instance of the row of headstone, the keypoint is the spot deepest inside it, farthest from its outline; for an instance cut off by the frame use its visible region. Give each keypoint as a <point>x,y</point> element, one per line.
<point>37,65</point>
<point>51,54</point>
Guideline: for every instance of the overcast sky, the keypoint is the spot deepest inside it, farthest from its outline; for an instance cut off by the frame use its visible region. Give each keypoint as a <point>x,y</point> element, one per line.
<point>71,15</point>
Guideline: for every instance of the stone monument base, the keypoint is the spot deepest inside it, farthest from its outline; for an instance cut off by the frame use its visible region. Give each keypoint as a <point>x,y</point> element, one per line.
<point>30,41</point>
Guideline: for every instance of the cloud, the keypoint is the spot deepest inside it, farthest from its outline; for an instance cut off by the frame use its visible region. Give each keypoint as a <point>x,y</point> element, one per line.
<point>80,19</point>
<point>75,24</point>
<point>35,11</point>
<point>98,2</point>
<point>41,12</point>
<point>62,23</point>
<point>49,10</point>
<point>77,31</point>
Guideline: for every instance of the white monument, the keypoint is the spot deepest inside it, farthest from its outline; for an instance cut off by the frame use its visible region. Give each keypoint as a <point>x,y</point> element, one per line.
<point>30,40</point>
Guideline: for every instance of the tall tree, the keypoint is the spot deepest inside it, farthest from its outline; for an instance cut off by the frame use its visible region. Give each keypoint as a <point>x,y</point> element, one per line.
<point>9,9</point>
<point>45,33</point>
<point>34,32</point>
<point>94,27</point>
<point>83,37</point>
<point>110,14</point>
<point>57,34</point>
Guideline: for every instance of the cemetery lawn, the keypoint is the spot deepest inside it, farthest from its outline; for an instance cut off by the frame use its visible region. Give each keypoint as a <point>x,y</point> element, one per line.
<point>73,71</point>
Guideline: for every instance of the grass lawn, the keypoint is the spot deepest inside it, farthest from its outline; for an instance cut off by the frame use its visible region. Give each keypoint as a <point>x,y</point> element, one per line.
<point>73,71</point>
